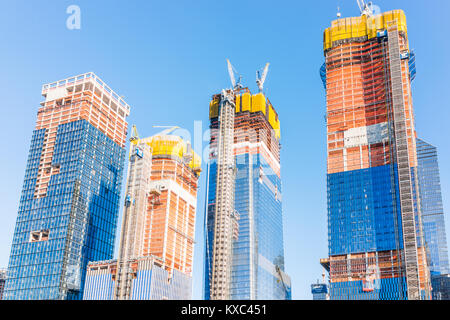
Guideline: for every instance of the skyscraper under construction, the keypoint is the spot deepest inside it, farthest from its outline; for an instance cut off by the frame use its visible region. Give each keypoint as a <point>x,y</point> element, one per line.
<point>375,236</point>
<point>244,230</point>
<point>157,239</point>
<point>70,198</point>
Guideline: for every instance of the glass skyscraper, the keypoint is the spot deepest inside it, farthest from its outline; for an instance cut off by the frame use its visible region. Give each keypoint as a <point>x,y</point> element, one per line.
<point>69,204</point>
<point>257,253</point>
<point>433,219</point>
<point>432,208</point>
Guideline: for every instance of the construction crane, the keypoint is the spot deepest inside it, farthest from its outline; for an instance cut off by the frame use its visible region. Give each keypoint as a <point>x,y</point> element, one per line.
<point>168,131</point>
<point>365,8</point>
<point>232,71</point>
<point>261,77</point>
<point>134,139</point>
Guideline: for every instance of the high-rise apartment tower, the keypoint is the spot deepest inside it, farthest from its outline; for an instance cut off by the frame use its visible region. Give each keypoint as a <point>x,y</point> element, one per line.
<point>244,230</point>
<point>375,236</point>
<point>70,198</point>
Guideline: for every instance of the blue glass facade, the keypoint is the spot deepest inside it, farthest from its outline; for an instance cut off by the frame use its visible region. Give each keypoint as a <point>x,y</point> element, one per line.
<point>364,217</point>
<point>388,289</point>
<point>441,286</point>
<point>432,208</point>
<point>78,214</point>
<point>257,255</point>
<point>362,214</point>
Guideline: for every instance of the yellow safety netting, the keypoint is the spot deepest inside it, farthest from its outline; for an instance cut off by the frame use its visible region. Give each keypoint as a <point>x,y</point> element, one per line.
<point>357,27</point>
<point>252,103</point>
<point>172,145</point>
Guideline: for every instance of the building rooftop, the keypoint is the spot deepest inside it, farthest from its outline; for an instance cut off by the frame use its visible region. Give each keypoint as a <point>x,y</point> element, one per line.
<point>87,77</point>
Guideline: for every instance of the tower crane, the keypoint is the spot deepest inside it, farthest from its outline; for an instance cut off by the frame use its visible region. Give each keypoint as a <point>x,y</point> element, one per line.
<point>134,139</point>
<point>232,71</point>
<point>261,77</point>
<point>169,130</point>
<point>365,8</point>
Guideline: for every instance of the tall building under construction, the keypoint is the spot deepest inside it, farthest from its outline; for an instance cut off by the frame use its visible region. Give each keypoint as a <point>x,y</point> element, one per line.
<point>244,255</point>
<point>69,205</point>
<point>375,236</point>
<point>157,239</point>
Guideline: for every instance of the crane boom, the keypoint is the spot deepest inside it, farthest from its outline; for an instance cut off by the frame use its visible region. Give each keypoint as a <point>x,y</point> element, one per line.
<point>365,8</point>
<point>261,78</point>
<point>169,130</point>
<point>134,139</point>
<point>231,73</point>
<point>360,5</point>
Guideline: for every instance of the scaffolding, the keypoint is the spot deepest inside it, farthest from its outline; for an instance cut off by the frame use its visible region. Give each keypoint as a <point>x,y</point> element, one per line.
<point>403,164</point>
<point>224,210</point>
<point>135,204</point>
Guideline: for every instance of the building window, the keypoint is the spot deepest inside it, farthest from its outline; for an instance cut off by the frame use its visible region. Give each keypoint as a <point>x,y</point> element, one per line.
<point>42,235</point>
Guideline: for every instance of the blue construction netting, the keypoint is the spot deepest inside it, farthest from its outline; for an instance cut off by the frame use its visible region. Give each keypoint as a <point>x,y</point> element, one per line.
<point>412,65</point>
<point>323,75</point>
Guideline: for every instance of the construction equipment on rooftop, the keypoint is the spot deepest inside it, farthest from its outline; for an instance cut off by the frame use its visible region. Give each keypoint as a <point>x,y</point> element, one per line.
<point>261,77</point>
<point>357,29</point>
<point>365,8</point>
<point>167,131</point>
<point>134,139</point>
<point>232,71</point>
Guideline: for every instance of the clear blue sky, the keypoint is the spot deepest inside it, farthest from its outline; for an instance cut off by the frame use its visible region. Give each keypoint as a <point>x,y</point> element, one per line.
<point>168,57</point>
